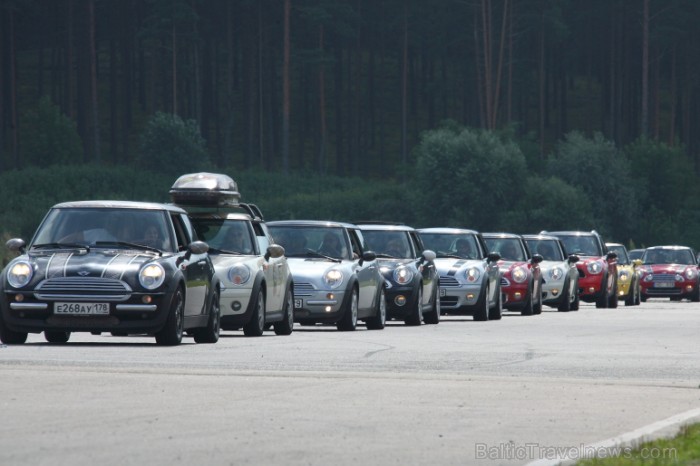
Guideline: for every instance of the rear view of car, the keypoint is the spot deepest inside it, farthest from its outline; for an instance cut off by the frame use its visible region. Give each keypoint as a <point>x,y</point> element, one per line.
<point>670,272</point>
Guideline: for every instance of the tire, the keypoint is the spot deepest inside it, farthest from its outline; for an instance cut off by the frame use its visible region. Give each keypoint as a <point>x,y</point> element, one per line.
<point>537,308</point>
<point>613,300</point>
<point>631,298</point>
<point>603,299</point>
<point>576,304</point>
<point>57,337</point>
<point>638,301</point>
<point>565,304</point>
<point>696,296</point>
<point>171,333</point>
<point>416,315</point>
<point>482,312</point>
<point>433,317</point>
<point>378,321</point>
<point>286,325</point>
<point>529,308</point>
<point>348,323</point>
<point>256,325</point>
<point>496,312</point>
<point>10,337</point>
<point>210,333</point>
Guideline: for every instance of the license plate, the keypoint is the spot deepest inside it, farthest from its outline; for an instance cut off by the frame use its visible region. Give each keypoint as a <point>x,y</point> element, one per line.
<point>443,292</point>
<point>298,303</point>
<point>664,284</point>
<point>81,309</point>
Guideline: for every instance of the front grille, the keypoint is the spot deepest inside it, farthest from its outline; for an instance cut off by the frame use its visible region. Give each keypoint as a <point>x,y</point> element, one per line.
<point>83,289</point>
<point>664,277</point>
<point>82,321</point>
<point>504,281</point>
<point>303,289</point>
<point>448,301</point>
<point>448,282</point>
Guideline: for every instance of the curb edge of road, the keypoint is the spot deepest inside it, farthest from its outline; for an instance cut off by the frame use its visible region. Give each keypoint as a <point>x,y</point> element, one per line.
<point>662,429</point>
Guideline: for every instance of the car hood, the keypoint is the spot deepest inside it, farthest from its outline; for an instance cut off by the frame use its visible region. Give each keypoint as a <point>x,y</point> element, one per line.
<point>505,266</point>
<point>393,263</point>
<point>313,268</point>
<point>666,268</point>
<point>225,261</point>
<point>450,265</point>
<point>102,263</point>
<point>546,266</point>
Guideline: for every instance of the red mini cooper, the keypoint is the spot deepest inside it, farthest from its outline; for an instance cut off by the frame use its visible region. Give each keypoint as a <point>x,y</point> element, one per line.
<point>670,272</point>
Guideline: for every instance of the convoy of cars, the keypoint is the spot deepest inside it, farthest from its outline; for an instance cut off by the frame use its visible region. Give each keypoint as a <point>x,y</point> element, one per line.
<point>208,262</point>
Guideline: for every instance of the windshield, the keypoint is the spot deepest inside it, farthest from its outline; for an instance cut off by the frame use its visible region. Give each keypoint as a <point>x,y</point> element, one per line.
<point>389,243</point>
<point>669,256</point>
<point>582,245</point>
<point>223,235</point>
<point>510,249</point>
<point>104,226</point>
<point>622,257</point>
<point>312,241</point>
<point>452,245</point>
<point>547,248</point>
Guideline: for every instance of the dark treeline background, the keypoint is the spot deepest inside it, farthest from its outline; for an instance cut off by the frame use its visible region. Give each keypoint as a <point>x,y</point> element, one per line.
<point>349,86</point>
<point>352,88</point>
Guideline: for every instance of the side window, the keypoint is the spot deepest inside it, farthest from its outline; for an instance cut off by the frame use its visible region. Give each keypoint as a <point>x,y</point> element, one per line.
<point>183,231</point>
<point>417,243</point>
<point>357,242</point>
<point>262,235</point>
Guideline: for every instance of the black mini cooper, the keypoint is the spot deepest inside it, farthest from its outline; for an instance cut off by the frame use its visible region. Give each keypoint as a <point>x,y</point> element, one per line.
<point>110,266</point>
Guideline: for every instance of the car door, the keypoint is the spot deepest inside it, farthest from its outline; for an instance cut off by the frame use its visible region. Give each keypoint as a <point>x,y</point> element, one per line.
<point>367,272</point>
<point>197,269</point>
<point>276,270</point>
<point>492,270</point>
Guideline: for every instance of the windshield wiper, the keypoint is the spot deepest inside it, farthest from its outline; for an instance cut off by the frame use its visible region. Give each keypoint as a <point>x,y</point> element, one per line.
<point>60,246</point>
<point>312,253</point>
<point>125,244</point>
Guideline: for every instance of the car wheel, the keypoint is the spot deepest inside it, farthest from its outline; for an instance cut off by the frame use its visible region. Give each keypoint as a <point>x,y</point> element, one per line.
<point>348,322</point>
<point>576,303</point>
<point>565,304</point>
<point>256,325</point>
<point>496,312</point>
<point>529,308</point>
<point>171,333</point>
<point>482,311</point>
<point>537,308</point>
<point>638,301</point>
<point>631,298</point>
<point>696,296</point>
<point>602,301</point>
<point>10,337</point>
<point>613,300</point>
<point>210,333</point>
<point>433,317</point>
<point>416,315</point>
<point>378,321</point>
<point>286,325</point>
<point>57,337</point>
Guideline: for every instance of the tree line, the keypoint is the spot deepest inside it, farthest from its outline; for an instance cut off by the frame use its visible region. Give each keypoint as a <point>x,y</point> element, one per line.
<point>346,87</point>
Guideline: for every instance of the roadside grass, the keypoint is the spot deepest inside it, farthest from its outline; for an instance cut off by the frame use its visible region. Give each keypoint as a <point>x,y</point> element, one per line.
<point>682,450</point>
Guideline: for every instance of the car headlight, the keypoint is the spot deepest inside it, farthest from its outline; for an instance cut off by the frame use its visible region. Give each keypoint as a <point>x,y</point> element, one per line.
<point>519,274</point>
<point>402,275</point>
<point>649,277</point>
<point>690,274</point>
<point>594,267</point>
<point>624,276</point>
<point>152,276</point>
<point>472,274</point>
<point>556,273</point>
<point>333,278</point>
<point>239,274</point>
<point>20,274</point>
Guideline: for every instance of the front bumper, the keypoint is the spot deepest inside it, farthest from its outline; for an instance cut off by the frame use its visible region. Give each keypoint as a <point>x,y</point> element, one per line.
<point>553,291</point>
<point>590,287</point>
<point>457,297</point>
<point>514,295</point>
<point>317,305</point>
<point>685,289</point>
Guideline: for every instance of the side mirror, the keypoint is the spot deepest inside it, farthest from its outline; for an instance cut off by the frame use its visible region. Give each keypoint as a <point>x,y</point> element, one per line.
<point>428,256</point>
<point>612,255</point>
<point>274,251</point>
<point>368,256</point>
<point>536,258</point>
<point>16,245</point>
<point>637,262</point>
<point>493,257</point>
<point>573,258</point>
<point>197,247</point>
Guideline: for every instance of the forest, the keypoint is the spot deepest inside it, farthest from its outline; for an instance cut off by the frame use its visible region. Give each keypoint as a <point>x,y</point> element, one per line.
<point>592,102</point>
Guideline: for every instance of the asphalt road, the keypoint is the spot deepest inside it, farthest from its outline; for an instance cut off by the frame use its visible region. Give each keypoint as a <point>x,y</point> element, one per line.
<point>457,393</point>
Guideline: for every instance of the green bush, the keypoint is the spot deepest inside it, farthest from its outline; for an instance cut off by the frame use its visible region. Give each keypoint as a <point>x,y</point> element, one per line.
<point>172,146</point>
<point>49,137</point>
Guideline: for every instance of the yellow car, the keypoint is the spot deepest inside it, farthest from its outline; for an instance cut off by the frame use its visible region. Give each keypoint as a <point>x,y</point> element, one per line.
<point>628,275</point>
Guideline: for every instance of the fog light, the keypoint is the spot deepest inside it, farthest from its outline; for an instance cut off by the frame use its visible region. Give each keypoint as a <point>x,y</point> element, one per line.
<point>328,308</point>
<point>555,292</point>
<point>147,299</point>
<point>470,296</point>
<point>689,288</point>
<point>236,305</point>
<point>620,293</point>
<point>591,290</point>
<point>19,298</point>
<point>400,300</point>
<point>517,295</point>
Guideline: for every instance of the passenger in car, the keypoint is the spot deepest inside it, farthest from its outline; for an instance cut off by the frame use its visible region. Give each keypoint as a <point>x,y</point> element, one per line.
<point>331,246</point>
<point>464,249</point>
